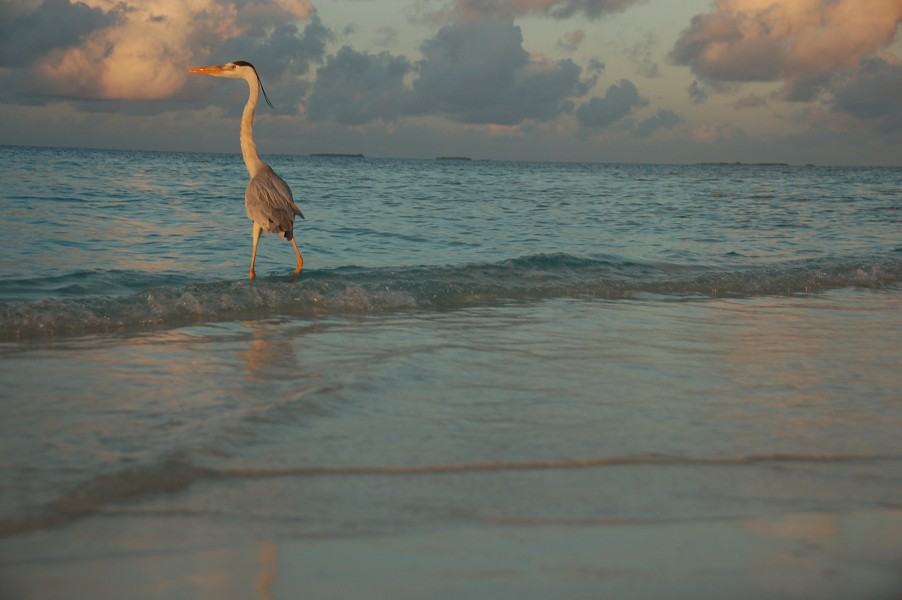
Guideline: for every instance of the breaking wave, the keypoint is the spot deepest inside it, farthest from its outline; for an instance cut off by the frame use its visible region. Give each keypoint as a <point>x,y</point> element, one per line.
<point>96,302</point>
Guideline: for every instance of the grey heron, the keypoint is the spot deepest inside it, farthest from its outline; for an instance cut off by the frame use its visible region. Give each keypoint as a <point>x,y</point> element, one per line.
<point>268,198</point>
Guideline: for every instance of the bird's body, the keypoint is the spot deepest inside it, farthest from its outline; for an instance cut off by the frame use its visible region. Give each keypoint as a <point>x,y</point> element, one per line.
<point>268,198</point>
<point>268,201</point>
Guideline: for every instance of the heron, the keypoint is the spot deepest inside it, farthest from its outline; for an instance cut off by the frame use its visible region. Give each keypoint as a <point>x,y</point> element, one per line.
<point>268,198</point>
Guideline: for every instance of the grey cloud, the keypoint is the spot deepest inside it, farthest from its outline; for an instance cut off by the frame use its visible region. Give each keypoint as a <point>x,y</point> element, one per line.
<point>281,55</point>
<point>697,92</point>
<point>475,73</point>
<point>29,35</point>
<point>354,88</point>
<point>663,119</point>
<point>284,49</point>
<point>572,41</point>
<point>591,8</point>
<point>875,93</point>
<point>480,73</point>
<point>803,89</point>
<point>618,102</point>
<point>596,67</point>
<point>558,9</point>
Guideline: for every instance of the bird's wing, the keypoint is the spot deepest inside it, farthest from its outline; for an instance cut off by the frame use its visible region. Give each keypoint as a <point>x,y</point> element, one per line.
<point>269,202</point>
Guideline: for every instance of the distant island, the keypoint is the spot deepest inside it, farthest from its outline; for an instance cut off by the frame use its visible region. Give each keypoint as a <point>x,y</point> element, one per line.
<point>742,164</point>
<point>337,155</point>
<point>453,158</point>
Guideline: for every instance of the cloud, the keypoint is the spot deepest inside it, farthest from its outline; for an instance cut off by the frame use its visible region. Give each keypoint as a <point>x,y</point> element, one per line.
<point>475,73</point>
<point>874,93</point>
<point>697,92</point>
<point>107,49</point>
<point>283,49</point>
<point>354,88</point>
<point>750,101</point>
<point>387,36</point>
<point>476,10</point>
<point>800,43</point>
<point>663,119</point>
<point>282,55</point>
<point>27,35</point>
<point>619,101</point>
<point>640,55</point>
<point>479,73</point>
<point>595,67</point>
<point>571,41</point>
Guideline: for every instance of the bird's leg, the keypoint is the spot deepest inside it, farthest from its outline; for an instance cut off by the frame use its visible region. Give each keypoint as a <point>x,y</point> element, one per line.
<point>257,231</point>
<point>300,264</point>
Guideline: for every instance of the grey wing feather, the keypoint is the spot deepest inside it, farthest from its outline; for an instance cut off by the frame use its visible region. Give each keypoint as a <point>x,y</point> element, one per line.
<point>269,202</point>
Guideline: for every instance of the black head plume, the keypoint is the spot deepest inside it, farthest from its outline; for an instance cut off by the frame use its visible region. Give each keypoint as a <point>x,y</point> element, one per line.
<point>244,63</point>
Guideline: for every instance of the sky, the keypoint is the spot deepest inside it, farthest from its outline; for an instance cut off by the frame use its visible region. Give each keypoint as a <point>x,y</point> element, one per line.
<point>647,81</point>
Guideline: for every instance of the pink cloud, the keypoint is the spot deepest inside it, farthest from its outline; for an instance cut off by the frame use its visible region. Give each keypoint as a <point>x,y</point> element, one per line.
<point>143,51</point>
<point>800,43</point>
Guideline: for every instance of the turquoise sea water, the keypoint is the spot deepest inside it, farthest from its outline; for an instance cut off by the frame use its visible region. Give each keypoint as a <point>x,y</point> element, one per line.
<point>490,380</point>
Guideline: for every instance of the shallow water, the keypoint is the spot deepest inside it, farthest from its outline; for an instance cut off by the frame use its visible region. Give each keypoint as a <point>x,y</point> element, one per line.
<point>550,377</point>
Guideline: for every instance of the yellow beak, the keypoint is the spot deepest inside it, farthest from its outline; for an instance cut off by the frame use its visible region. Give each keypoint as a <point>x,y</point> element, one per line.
<point>213,70</point>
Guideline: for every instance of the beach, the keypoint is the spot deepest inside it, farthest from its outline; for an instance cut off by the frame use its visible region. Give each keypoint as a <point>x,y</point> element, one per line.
<point>490,380</point>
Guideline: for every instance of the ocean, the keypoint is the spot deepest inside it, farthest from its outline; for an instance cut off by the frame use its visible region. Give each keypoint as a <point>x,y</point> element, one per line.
<point>491,380</point>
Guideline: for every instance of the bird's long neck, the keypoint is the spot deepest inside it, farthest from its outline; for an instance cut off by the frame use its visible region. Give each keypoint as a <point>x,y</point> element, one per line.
<point>248,148</point>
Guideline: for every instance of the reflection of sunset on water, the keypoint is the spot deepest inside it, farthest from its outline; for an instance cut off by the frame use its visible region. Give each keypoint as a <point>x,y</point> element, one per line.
<point>802,367</point>
<point>811,527</point>
<point>269,357</point>
<point>827,546</point>
<point>269,569</point>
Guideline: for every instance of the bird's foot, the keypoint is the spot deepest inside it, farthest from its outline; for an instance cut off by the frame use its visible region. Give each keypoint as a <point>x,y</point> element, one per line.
<point>251,275</point>
<point>299,266</point>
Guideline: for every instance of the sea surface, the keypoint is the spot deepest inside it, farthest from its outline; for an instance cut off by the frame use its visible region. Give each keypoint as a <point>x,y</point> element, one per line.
<point>491,380</point>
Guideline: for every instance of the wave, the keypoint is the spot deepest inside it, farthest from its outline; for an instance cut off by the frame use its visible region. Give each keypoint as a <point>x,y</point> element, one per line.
<point>79,307</point>
<point>175,475</point>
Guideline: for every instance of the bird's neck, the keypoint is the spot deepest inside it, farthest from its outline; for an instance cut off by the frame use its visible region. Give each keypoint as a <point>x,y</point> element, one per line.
<point>248,148</point>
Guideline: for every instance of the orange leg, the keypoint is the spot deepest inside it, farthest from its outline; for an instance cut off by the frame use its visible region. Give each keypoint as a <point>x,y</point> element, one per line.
<point>300,264</point>
<point>257,231</point>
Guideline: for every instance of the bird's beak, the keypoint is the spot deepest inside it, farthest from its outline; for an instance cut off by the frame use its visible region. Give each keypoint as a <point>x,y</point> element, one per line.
<point>213,70</point>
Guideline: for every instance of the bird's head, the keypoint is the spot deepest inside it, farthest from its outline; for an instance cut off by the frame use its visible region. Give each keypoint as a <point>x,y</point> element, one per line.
<point>238,69</point>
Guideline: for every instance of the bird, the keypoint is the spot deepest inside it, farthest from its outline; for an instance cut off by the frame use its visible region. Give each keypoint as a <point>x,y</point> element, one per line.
<point>268,198</point>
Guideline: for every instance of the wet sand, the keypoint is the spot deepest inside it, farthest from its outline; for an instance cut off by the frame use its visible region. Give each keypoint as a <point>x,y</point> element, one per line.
<point>808,555</point>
